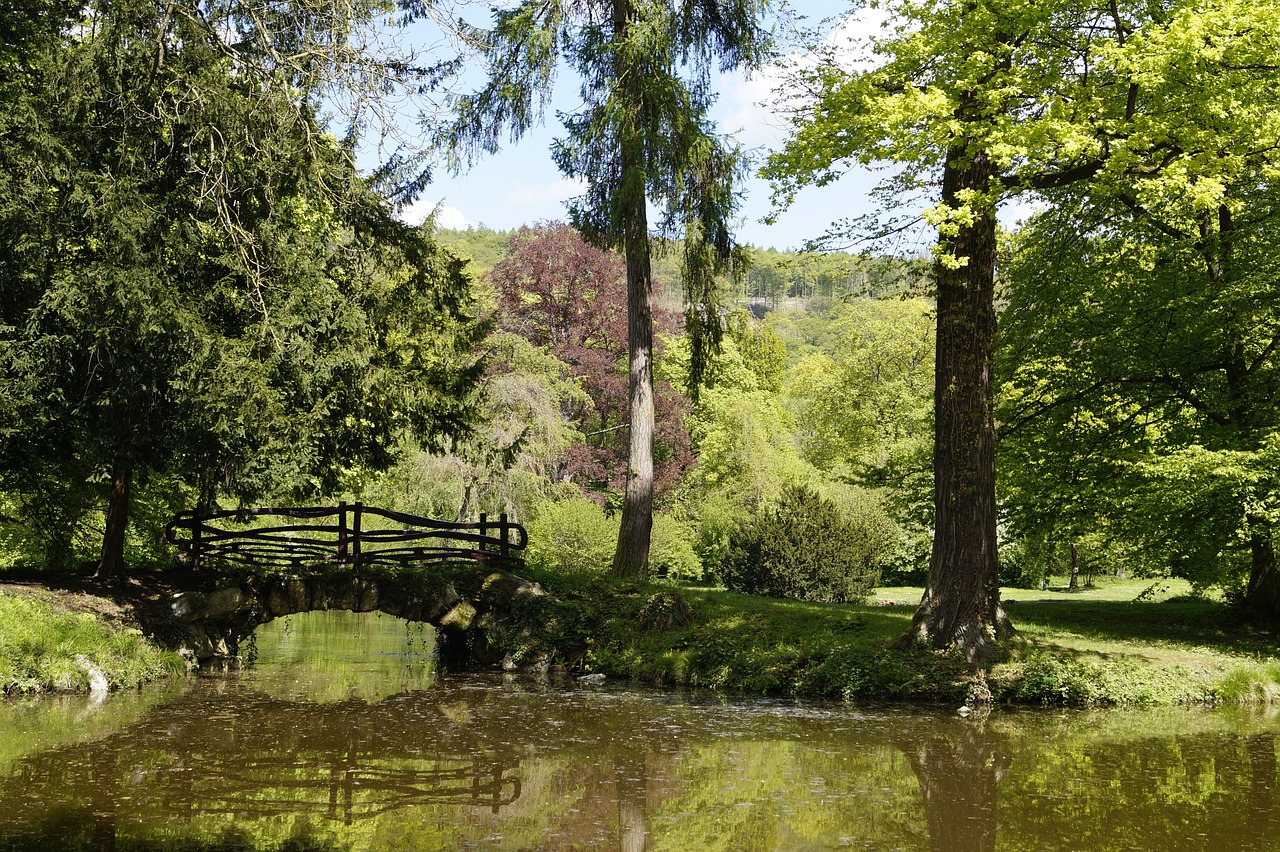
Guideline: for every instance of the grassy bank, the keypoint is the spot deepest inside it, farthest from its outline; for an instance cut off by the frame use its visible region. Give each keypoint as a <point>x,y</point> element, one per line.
<point>46,648</point>
<point>1123,644</point>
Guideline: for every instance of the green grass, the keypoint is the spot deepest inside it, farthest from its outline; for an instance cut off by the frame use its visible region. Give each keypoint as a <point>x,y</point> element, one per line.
<point>39,647</point>
<point>1114,644</point>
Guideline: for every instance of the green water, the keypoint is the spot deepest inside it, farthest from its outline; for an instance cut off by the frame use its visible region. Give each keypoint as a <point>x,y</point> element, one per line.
<point>343,738</point>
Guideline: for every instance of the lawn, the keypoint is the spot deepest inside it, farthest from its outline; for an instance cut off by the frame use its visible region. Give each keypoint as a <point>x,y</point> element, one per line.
<point>1117,643</point>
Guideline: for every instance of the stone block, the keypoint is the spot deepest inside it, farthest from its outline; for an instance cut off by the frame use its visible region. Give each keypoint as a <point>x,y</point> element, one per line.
<point>287,596</point>
<point>459,618</point>
<point>187,606</point>
<point>224,603</point>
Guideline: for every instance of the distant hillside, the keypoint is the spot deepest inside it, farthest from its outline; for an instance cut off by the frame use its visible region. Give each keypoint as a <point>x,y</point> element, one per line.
<point>773,278</point>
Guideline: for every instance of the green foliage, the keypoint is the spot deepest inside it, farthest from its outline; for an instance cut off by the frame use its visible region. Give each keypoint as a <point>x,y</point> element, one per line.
<point>718,515</point>
<point>1157,434</point>
<point>38,647</point>
<point>863,405</point>
<point>808,550</point>
<point>1052,677</point>
<point>571,535</point>
<point>672,554</point>
<point>1251,685</point>
<point>764,353</point>
<point>201,296</point>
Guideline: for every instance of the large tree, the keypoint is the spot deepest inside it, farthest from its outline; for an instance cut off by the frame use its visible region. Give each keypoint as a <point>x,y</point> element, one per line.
<point>196,282</point>
<point>981,100</point>
<point>569,297</point>
<point>1166,417</point>
<point>641,136</point>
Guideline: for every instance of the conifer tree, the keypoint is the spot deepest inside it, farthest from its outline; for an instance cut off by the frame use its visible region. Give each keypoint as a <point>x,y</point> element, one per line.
<point>641,136</point>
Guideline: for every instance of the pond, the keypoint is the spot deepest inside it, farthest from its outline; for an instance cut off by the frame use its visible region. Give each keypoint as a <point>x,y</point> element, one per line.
<point>343,737</point>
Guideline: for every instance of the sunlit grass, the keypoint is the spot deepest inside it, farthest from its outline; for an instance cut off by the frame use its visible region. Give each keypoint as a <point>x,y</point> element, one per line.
<point>1116,643</point>
<point>39,648</point>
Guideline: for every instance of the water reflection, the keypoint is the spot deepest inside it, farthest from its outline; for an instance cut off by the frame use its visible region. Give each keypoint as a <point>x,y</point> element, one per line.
<point>483,763</point>
<point>959,772</point>
<point>336,656</point>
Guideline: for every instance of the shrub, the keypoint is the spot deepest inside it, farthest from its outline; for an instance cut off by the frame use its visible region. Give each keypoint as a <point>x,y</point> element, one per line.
<point>572,535</point>
<point>807,549</point>
<point>671,553</point>
<point>717,517</point>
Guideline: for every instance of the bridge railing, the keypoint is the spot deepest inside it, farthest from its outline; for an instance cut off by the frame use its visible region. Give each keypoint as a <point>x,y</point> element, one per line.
<point>344,535</point>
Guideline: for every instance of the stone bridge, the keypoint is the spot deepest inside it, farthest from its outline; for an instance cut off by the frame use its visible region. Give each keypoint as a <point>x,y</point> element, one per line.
<point>469,608</point>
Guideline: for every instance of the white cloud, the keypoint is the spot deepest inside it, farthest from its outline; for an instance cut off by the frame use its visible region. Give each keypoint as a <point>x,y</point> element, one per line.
<point>450,218</point>
<point>756,106</point>
<point>534,195</point>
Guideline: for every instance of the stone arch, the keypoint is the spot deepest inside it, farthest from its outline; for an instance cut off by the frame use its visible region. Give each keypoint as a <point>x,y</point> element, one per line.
<point>463,608</point>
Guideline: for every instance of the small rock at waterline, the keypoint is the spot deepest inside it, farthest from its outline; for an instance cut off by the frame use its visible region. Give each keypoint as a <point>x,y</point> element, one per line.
<point>592,678</point>
<point>964,710</point>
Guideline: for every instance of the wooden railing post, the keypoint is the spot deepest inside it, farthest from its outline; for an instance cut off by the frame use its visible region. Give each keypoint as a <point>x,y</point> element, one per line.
<point>197,521</point>
<point>506,534</point>
<point>342,530</point>
<point>484,527</point>
<point>355,534</point>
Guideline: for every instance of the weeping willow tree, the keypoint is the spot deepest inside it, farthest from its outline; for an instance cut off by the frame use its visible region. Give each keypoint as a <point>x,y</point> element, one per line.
<point>641,137</point>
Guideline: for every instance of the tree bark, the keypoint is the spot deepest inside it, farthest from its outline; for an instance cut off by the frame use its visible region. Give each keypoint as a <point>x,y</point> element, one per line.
<point>1262,595</point>
<point>1074,584</point>
<point>961,603</point>
<point>111,561</point>
<point>631,559</point>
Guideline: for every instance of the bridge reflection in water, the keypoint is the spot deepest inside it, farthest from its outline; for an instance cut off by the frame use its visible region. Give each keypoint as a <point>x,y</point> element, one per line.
<point>209,757</point>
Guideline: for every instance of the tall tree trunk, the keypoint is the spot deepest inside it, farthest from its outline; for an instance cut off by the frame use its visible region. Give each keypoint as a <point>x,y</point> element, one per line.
<point>111,561</point>
<point>1074,584</point>
<point>1262,595</point>
<point>631,559</point>
<point>961,603</point>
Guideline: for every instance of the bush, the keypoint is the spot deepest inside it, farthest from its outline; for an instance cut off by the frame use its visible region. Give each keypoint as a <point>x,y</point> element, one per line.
<point>572,535</point>
<point>717,518</point>
<point>671,553</point>
<point>807,549</point>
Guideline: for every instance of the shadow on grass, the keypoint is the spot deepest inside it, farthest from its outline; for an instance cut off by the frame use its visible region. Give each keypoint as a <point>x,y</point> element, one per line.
<point>1200,623</point>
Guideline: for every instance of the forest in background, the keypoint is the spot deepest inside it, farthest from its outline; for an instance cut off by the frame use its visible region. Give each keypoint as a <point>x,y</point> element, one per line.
<point>813,431</point>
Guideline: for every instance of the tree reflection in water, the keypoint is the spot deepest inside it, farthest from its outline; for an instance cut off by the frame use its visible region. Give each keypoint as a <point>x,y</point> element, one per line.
<point>959,773</point>
<point>478,763</point>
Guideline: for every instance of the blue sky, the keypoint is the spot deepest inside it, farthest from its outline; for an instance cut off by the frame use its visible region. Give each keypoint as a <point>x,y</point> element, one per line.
<point>521,185</point>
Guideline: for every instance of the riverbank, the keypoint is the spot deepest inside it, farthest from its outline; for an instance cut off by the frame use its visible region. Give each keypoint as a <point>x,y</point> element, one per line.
<point>75,634</point>
<point>1121,644</point>
<point>1133,644</point>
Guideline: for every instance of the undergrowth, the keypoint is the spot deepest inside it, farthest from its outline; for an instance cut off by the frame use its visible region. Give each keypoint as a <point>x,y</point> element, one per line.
<point>39,648</point>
